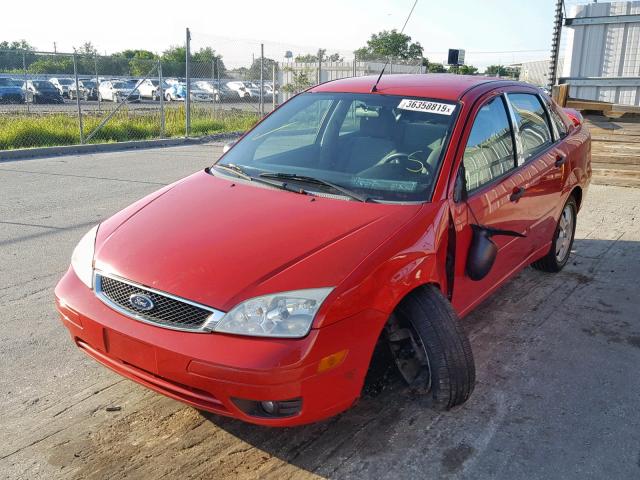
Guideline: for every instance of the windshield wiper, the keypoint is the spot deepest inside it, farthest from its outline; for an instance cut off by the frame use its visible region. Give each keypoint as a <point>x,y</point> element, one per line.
<point>315,181</point>
<point>239,171</point>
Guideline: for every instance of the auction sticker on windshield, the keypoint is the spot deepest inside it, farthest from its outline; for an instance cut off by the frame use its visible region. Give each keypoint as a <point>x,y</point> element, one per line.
<point>426,106</point>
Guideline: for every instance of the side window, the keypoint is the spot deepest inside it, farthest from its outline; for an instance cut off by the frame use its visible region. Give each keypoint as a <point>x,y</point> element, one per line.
<point>351,122</point>
<point>531,118</point>
<point>489,152</point>
<point>561,127</point>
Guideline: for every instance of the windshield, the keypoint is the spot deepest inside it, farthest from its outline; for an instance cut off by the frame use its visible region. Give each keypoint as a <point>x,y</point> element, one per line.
<point>44,85</point>
<point>88,84</point>
<point>119,85</point>
<point>7,82</point>
<point>65,81</point>
<point>385,147</point>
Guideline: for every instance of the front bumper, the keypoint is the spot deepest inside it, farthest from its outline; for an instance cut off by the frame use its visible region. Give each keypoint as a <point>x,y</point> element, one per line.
<point>207,371</point>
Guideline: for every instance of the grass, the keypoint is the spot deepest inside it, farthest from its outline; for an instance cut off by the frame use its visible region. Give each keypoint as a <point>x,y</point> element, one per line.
<point>47,130</point>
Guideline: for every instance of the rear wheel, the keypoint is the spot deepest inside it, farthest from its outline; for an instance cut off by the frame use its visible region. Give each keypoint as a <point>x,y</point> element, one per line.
<point>558,255</point>
<point>430,349</point>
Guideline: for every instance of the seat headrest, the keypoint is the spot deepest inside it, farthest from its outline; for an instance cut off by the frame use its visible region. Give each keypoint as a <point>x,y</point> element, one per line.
<point>377,126</point>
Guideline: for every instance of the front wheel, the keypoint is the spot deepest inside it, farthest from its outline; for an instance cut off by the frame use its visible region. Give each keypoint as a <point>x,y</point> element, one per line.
<point>430,349</point>
<point>558,255</point>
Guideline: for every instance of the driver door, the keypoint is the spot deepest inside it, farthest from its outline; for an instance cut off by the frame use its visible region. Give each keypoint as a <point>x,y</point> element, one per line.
<point>492,179</point>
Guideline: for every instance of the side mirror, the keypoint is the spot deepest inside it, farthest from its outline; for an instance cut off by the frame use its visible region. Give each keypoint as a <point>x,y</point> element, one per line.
<point>227,147</point>
<point>482,254</point>
<point>460,186</point>
<point>483,250</point>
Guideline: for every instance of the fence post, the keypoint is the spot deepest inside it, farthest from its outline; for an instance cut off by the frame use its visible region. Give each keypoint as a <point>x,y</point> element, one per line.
<point>75,74</point>
<point>213,84</point>
<point>24,71</point>
<point>273,90</point>
<point>187,100</point>
<point>95,64</point>
<point>161,91</point>
<point>319,79</point>
<point>355,67</point>
<point>262,79</point>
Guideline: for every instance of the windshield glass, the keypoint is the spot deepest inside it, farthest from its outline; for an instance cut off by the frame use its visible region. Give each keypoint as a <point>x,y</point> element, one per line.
<point>385,147</point>
<point>65,81</point>
<point>44,85</point>
<point>119,85</point>
<point>7,82</point>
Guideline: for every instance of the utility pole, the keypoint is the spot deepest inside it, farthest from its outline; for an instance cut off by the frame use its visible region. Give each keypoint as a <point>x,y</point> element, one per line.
<point>555,44</point>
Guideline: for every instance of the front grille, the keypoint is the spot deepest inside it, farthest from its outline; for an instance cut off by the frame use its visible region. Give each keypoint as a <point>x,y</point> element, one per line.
<point>166,311</point>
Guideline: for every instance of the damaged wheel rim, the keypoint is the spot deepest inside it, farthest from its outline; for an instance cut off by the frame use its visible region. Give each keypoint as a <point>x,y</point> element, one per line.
<point>409,353</point>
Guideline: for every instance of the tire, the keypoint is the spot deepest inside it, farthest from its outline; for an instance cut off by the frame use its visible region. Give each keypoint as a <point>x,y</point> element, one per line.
<point>425,323</point>
<point>560,251</point>
<point>168,97</point>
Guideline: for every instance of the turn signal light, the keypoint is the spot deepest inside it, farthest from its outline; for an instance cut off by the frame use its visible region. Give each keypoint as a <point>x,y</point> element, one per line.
<point>332,361</point>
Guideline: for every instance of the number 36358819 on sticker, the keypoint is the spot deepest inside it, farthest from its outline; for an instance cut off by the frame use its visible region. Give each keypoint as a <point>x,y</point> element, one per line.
<point>426,106</point>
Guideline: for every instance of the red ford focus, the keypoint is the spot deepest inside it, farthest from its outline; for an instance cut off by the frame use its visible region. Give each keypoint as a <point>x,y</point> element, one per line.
<point>351,217</point>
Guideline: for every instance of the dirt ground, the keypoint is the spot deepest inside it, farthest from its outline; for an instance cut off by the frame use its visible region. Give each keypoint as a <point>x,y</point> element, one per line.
<point>558,391</point>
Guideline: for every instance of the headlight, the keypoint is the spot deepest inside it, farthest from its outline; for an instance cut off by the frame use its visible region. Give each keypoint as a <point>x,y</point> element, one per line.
<point>286,314</point>
<point>82,257</point>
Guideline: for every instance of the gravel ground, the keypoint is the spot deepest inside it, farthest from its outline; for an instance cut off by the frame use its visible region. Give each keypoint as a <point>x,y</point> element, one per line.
<point>557,358</point>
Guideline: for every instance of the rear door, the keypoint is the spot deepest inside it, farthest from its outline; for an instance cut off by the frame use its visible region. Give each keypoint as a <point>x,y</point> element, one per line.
<point>540,166</point>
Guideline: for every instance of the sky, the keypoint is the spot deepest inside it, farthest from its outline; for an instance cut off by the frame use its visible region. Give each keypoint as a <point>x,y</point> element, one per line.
<point>491,31</point>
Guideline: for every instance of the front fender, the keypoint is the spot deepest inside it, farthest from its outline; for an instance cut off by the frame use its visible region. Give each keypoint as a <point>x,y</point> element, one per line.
<point>411,257</point>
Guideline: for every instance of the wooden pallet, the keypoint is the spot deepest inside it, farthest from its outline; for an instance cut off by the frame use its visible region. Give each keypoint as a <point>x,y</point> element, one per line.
<point>615,150</point>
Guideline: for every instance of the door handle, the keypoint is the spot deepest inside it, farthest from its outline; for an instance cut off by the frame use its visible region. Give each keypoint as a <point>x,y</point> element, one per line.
<point>517,193</point>
<point>560,160</point>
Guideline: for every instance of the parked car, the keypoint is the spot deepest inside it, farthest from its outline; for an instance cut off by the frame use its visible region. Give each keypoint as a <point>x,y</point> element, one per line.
<point>117,91</point>
<point>41,91</point>
<point>240,89</point>
<point>62,84</point>
<point>361,215</point>
<point>11,91</point>
<point>87,90</point>
<point>178,92</point>
<point>220,91</point>
<point>150,88</point>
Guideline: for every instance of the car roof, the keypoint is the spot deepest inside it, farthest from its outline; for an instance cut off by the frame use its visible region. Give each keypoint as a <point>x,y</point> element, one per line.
<point>432,85</point>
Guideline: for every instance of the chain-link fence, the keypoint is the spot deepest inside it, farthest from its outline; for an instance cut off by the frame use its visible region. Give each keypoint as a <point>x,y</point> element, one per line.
<point>52,99</point>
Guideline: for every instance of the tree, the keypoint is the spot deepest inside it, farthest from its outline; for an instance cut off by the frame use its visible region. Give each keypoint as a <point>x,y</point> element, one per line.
<point>300,81</point>
<point>87,49</point>
<point>390,44</point>
<point>322,53</point>
<point>436,68</point>
<point>502,71</point>
<point>463,69</point>
<point>208,58</point>
<point>267,71</point>
<point>12,54</point>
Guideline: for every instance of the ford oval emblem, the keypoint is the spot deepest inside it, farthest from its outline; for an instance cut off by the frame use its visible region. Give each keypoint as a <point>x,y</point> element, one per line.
<point>140,301</point>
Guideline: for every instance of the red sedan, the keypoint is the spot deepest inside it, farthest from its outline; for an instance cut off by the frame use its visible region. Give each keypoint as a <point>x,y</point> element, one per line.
<point>351,217</point>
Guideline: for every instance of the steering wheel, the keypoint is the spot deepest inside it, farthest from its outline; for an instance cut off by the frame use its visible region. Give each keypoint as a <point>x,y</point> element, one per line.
<point>411,163</point>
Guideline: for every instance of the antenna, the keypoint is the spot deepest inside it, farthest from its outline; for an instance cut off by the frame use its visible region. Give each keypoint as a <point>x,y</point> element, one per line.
<point>375,85</point>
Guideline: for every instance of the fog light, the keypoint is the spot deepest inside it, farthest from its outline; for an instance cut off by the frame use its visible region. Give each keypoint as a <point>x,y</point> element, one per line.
<point>269,407</point>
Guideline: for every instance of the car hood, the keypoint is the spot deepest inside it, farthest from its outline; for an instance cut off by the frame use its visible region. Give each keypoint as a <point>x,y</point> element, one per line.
<point>218,242</point>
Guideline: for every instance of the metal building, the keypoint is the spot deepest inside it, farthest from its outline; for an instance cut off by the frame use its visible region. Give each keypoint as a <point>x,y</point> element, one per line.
<point>602,58</point>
